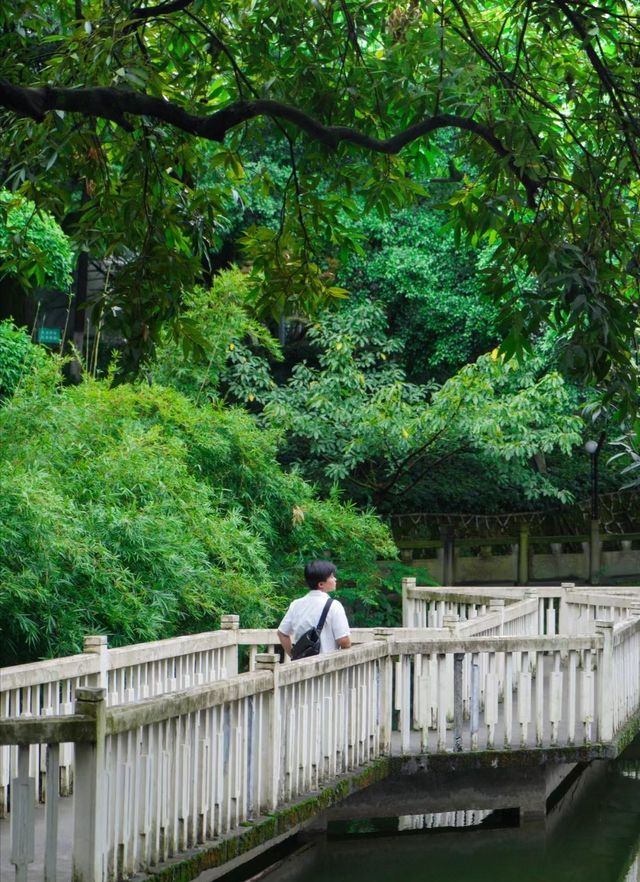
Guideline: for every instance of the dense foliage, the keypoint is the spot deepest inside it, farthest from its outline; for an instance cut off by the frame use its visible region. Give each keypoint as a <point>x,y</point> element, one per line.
<point>33,248</point>
<point>430,288</point>
<point>355,419</point>
<point>236,346</point>
<point>18,359</point>
<point>132,512</point>
<point>541,96</point>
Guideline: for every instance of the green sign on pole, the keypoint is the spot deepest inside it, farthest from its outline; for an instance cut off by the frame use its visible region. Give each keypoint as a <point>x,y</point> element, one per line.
<point>50,336</point>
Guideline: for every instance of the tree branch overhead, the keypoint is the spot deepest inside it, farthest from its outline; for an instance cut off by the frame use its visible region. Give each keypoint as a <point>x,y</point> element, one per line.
<point>113,104</point>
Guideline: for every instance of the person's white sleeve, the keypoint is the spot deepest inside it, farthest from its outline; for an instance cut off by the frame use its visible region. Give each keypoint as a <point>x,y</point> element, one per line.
<point>339,622</point>
<point>285,626</point>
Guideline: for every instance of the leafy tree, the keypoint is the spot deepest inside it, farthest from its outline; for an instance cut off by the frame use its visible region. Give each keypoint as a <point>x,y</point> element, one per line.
<point>130,511</point>
<point>541,96</point>
<point>235,346</point>
<point>34,251</point>
<point>431,290</point>
<point>356,420</point>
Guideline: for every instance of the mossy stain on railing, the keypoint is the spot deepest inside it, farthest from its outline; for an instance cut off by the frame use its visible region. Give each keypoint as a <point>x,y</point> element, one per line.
<point>265,829</point>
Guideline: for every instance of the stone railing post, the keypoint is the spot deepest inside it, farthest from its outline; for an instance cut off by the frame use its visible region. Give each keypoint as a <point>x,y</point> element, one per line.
<point>448,555</point>
<point>497,606</point>
<point>531,592</point>
<point>97,644</point>
<point>408,604</point>
<point>523,554</point>
<point>270,749</point>
<point>450,622</point>
<point>606,684</point>
<point>88,850</point>
<point>458,661</point>
<point>565,623</point>
<point>386,693</point>
<point>231,623</point>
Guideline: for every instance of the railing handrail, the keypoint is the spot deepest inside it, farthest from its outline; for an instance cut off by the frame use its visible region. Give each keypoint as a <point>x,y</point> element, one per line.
<point>453,643</point>
<point>87,663</point>
<point>624,629</point>
<point>48,671</point>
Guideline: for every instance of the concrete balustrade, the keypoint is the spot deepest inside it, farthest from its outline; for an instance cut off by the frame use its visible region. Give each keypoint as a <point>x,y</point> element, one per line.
<point>128,674</point>
<point>176,750</point>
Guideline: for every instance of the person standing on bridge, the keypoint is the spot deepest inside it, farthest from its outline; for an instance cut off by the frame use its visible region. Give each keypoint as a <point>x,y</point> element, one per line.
<point>306,612</point>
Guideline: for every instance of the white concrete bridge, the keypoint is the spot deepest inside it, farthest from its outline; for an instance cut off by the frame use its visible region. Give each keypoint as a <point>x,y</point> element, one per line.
<point>177,762</point>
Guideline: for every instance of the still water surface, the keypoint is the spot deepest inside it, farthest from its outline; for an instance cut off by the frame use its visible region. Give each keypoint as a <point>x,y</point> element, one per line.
<point>592,835</point>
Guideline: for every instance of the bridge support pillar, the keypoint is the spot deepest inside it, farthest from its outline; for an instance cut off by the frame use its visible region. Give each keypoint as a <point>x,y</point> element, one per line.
<point>90,790</point>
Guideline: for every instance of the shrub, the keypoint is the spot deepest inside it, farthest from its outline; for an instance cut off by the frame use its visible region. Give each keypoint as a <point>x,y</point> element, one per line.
<point>130,511</point>
<point>19,358</point>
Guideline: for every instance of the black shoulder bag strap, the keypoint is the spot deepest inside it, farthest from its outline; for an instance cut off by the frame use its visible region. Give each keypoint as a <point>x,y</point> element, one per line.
<point>325,613</point>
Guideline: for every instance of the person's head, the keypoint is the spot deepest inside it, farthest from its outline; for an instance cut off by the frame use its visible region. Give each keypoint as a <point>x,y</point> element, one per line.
<point>320,575</point>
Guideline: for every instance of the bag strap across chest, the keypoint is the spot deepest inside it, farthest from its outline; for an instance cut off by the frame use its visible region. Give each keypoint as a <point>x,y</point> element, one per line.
<point>325,613</point>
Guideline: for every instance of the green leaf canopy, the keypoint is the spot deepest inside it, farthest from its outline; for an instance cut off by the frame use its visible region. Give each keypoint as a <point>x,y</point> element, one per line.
<point>102,103</point>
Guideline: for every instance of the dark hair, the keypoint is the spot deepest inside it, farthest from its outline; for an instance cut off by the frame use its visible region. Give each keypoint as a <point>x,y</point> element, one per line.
<point>316,571</point>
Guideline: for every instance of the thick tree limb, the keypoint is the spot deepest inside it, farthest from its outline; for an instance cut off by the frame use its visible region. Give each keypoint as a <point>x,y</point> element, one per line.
<point>144,12</point>
<point>113,104</point>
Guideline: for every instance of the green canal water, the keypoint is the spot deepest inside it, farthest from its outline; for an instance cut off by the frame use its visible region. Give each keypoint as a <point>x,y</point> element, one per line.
<point>591,835</point>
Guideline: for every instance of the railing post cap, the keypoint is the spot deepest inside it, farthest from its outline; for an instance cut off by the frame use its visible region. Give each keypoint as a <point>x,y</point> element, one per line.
<point>94,642</point>
<point>92,694</point>
<point>409,581</point>
<point>382,633</point>
<point>496,602</point>
<point>604,623</point>
<point>450,621</point>
<point>267,659</point>
<point>567,584</point>
<point>229,622</point>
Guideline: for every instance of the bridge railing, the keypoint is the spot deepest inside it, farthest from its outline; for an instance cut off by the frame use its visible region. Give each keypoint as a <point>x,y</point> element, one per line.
<point>158,775</point>
<point>141,671</point>
<point>625,670</point>
<point>566,609</point>
<point>128,674</point>
<point>501,692</point>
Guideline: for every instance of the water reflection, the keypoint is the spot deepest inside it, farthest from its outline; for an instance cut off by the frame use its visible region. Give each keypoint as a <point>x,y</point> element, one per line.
<point>591,835</point>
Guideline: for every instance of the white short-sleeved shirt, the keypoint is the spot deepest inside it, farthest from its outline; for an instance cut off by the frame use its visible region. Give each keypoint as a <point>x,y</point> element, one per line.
<point>305,613</point>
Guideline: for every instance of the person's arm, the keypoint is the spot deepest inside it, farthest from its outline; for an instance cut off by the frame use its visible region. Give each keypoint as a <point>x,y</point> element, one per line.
<point>340,625</point>
<point>285,642</point>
